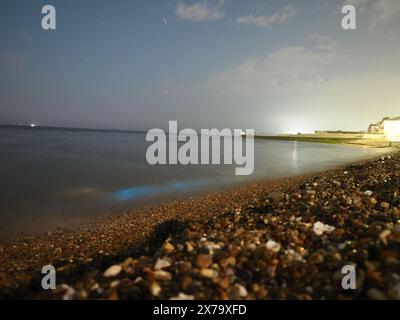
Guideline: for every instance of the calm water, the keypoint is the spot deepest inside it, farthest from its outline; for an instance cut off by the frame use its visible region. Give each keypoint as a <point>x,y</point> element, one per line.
<point>58,177</point>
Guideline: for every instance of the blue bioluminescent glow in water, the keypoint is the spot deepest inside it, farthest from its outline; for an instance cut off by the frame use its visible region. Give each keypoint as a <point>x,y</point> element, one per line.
<point>133,193</point>
<point>137,192</point>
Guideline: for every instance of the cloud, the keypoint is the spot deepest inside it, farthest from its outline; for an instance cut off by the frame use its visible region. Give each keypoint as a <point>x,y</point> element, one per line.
<point>384,11</point>
<point>267,21</point>
<point>200,11</point>
<point>290,68</point>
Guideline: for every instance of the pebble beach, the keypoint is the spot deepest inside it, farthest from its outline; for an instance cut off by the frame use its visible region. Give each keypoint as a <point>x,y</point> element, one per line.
<point>282,239</point>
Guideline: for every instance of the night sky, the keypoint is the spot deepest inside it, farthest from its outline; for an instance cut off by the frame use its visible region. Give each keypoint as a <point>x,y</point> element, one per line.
<point>275,66</point>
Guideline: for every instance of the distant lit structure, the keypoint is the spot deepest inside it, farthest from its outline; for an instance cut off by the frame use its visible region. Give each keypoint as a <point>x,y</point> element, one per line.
<point>32,125</point>
<point>390,127</point>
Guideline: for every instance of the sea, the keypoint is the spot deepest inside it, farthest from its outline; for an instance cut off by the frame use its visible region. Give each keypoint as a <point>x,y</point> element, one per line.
<point>57,177</point>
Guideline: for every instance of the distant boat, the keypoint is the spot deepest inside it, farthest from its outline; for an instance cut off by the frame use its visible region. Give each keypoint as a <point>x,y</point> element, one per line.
<point>32,125</point>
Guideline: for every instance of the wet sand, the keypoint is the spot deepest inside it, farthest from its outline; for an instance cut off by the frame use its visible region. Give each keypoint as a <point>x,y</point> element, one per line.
<point>82,255</point>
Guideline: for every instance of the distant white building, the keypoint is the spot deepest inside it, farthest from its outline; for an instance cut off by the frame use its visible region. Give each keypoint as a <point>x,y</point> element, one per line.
<point>390,127</point>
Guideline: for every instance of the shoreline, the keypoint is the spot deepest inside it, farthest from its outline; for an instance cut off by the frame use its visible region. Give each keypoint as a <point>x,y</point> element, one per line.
<point>129,233</point>
<point>367,140</point>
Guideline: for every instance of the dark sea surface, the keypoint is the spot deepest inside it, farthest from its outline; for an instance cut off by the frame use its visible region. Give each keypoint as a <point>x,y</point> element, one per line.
<point>59,177</point>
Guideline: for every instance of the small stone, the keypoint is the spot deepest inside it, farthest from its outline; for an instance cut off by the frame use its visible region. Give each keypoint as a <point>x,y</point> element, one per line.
<point>168,247</point>
<point>373,201</point>
<point>69,294</point>
<point>138,280</point>
<point>189,247</point>
<point>396,211</point>
<point>161,264</point>
<point>329,229</point>
<point>273,246</point>
<point>95,287</point>
<point>127,263</point>
<point>320,228</point>
<point>150,275</point>
<point>208,273</point>
<point>383,236</point>
<point>224,283</point>
<point>385,205</point>
<point>211,246</point>
<point>242,290</point>
<point>230,261</point>
<point>162,275</point>
<point>272,268</point>
<point>183,296</point>
<point>113,271</point>
<point>309,289</point>
<point>82,295</point>
<point>276,196</point>
<point>155,289</point>
<point>368,193</point>
<point>203,260</point>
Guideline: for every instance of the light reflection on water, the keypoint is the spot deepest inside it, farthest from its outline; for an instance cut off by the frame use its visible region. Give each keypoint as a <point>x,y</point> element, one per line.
<point>295,155</point>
